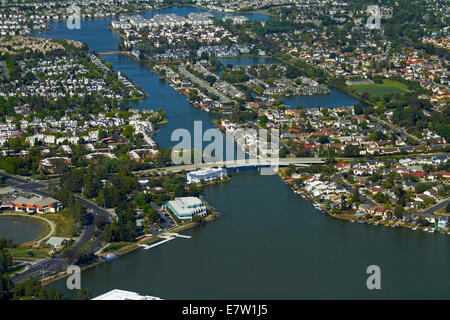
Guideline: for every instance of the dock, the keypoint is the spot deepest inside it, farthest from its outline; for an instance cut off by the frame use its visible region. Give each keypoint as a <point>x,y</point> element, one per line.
<point>146,247</point>
<point>167,236</point>
<point>172,234</point>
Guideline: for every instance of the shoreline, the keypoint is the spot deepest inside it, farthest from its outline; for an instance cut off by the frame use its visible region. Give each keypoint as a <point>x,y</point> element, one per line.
<point>141,11</point>
<point>342,216</point>
<point>39,220</point>
<point>133,246</point>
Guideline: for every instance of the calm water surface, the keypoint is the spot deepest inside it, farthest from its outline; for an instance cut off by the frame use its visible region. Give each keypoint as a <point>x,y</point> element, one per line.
<point>269,243</point>
<point>20,230</point>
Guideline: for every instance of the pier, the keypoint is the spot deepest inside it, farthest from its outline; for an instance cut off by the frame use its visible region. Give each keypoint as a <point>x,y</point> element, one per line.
<point>167,236</point>
<point>171,234</point>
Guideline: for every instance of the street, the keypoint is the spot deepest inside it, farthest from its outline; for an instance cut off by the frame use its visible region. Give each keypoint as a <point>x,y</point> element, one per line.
<point>55,264</point>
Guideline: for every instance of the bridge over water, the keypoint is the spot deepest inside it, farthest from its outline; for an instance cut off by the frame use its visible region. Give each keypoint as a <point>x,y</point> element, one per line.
<point>245,163</point>
<point>128,53</point>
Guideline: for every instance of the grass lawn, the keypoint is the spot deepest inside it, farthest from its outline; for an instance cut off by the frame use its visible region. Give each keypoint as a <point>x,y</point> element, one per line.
<point>116,246</point>
<point>16,268</point>
<point>28,253</point>
<point>64,223</point>
<point>381,89</point>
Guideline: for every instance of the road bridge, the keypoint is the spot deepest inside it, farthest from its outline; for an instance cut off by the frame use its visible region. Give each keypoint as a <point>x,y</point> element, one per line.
<point>231,164</point>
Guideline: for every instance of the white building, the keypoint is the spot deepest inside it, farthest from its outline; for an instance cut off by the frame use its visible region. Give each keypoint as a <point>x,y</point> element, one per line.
<point>207,175</point>
<point>57,242</point>
<point>117,294</point>
<point>186,207</point>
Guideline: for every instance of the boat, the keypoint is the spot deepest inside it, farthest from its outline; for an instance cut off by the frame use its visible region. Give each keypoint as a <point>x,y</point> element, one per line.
<point>318,207</point>
<point>414,229</point>
<point>111,256</point>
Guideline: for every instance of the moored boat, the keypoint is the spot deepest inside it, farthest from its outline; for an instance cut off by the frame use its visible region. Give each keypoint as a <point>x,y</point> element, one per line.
<point>111,256</point>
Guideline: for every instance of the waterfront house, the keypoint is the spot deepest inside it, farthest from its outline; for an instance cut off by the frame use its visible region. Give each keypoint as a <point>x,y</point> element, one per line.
<point>442,222</point>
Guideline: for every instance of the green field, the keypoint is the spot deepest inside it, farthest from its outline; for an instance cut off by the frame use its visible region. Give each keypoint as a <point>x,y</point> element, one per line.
<point>381,89</point>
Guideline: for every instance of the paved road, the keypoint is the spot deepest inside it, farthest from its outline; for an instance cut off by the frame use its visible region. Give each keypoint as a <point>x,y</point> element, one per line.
<point>239,163</point>
<point>168,223</point>
<point>52,265</point>
<point>203,84</point>
<point>436,207</point>
<point>350,189</point>
<point>396,129</point>
<point>430,210</point>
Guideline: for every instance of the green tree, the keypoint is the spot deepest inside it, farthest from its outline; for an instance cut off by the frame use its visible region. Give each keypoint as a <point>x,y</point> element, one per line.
<point>84,294</point>
<point>398,212</point>
<point>128,131</point>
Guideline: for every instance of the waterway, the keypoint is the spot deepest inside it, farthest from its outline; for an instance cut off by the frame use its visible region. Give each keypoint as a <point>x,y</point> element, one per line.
<point>333,99</point>
<point>20,230</point>
<point>330,100</point>
<point>269,243</point>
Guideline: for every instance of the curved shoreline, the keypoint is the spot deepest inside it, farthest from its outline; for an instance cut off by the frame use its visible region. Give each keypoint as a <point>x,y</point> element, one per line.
<point>40,220</point>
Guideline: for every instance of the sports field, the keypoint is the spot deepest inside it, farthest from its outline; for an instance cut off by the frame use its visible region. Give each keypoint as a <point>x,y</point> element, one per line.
<point>381,89</point>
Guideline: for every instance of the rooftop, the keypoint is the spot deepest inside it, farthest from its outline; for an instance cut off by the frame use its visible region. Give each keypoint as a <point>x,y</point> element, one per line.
<point>118,294</point>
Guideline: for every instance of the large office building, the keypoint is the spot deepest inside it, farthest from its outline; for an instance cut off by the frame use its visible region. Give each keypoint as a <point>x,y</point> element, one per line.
<point>186,207</point>
<point>207,175</point>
